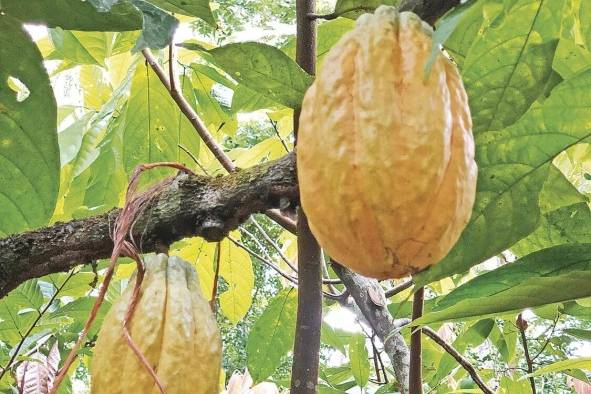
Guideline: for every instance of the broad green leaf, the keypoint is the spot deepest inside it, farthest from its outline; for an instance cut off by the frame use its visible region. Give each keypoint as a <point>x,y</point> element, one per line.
<point>213,74</point>
<point>359,359</point>
<point>512,173</point>
<point>566,225</point>
<point>74,15</point>
<point>551,275</point>
<point>507,66</point>
<point>158,27</point>
<point>80,47</point>
<point>27,295</point>
<point>578,333</point>
<point>570,58</point>
<point>271,336</point>
<point>329,33</point>
<point>96,87</point>
<point>70,139</point>
<point>354,8</point>
<point>265,69</point>
<point>198,8</point>
<point>266,150</point>
<point>473,337</point>
<point>29,153</point>
<point>76,285</point>
<point>584,17</point>
<point>337,338</point>
<point>209,108</point>
<point>153,126</point>
<point>236,269</point>
<point>475,20</point>
<point>245,99</point>
<point>559,366</point>
<point>76,313</point>
<point>511,385</point>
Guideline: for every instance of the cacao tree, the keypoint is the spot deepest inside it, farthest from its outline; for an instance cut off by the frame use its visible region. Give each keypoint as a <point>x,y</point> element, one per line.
<point>90,90</point>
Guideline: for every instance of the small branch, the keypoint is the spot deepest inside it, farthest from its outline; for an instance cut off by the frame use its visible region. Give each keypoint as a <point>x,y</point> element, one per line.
<point>399,288</point>
<point>274,124</point>
<point>190,113</point>
<point>273,244</point>
<point>335,15</point>
<point>378,316</point>
<point>459,358</point>
<point>522,326</point>
<point>33,325</point>
<point>214,291</point>
<point>548,339</point>
<point>416,363</point>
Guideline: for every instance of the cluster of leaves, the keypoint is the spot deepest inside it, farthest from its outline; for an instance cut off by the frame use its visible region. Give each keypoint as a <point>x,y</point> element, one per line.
<point>526,65</point>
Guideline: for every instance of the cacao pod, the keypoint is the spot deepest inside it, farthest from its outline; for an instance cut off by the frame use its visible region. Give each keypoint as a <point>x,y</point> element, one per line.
<point>172,326</point>
<point>385,153</point>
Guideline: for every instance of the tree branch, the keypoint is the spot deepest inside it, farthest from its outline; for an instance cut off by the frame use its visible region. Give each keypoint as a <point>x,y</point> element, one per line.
<point>459,358</point>
<point>191,205</point>
<point>369,297</point>
<point>522,326</point>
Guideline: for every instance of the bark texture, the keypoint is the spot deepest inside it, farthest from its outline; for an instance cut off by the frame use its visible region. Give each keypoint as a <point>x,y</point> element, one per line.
<point>190,206</point>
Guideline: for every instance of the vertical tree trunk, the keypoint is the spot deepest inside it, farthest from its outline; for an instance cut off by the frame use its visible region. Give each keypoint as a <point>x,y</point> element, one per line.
<point>304,373</point>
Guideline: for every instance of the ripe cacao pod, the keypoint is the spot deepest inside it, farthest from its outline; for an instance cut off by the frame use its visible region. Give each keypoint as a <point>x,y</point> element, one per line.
<point>385,153</point>
<point>173,327</point>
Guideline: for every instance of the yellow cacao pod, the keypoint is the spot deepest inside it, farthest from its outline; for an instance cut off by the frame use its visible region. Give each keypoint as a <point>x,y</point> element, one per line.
<point>385,152</point>
<point>173,327</point>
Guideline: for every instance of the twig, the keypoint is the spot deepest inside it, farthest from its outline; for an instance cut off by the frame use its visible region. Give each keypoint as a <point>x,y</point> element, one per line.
<point>274,124</point>
<point>548,339</point>
<point>273,244</point>
<point>375,358</point>
<point>459,358</point>
<point>33,325</point>
<point>399,288</point>
<point>416,363</point>
<point>189,112</point>
<point>192,156</point>
<point>214,291</point>
<point>522,326</point>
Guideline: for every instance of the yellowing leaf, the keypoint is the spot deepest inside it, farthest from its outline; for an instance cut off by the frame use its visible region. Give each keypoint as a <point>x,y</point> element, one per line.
<point>236,269</point>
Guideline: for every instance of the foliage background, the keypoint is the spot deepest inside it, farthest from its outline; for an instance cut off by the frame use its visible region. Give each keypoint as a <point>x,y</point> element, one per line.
<point>526,65</point>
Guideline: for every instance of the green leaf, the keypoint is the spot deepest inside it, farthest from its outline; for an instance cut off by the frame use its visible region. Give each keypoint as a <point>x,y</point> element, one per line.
<point>472,337</point>
<point>153,126</point>
<point>81,47</point>
<point>570,58</point>
<point>329,33</point>
<point>359,359</point>
<point>209,108</point>
<point>512,174</point>
<point>158,27</point>
<point>70,139</point>
<point>236,269</point>
<point>198,8</point>
<point>355,8</point>
<point>27,295</point>
<point>265,69</point>
<point>559,366</point>
<point>29,153</point>
<point>551,275</point>
<point>506,68</point>
<point>578,333</point>
<point>476,17</point>
<point>74,15</point>
<point>334,337</point>
<point>584,17</point>
<point>271,336</point>
<point>248,100</point>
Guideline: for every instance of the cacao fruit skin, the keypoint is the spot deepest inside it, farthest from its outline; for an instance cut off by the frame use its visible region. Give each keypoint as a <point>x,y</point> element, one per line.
<point>385,153</point>
<point>173,327</point>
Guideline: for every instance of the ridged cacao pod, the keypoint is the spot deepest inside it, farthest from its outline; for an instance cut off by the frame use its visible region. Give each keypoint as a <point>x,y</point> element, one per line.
<point>173,327</point>
<point>385,152</point>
